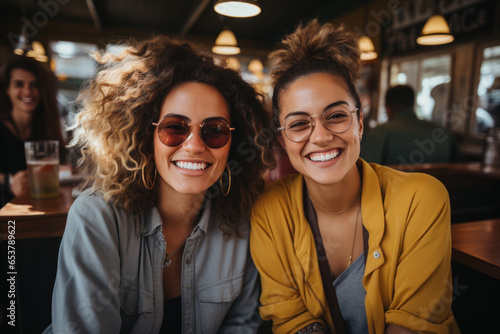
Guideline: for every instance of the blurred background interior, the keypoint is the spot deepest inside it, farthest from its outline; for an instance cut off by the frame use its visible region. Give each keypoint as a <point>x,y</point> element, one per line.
<point>454,68</point>
<point>457,83</point>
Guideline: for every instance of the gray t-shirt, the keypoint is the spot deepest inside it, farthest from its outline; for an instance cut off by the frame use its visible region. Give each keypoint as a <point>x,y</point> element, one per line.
<point>351,297</point>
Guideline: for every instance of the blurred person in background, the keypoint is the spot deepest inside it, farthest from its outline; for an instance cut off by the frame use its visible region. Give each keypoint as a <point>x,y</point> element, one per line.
<point>28,111</point>
<point>405,139</point>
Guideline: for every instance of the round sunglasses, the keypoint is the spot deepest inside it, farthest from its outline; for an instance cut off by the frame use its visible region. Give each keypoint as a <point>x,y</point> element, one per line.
<point>174,130</point>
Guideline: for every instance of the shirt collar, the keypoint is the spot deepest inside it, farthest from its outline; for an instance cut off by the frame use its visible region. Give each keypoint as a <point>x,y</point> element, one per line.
<point>372,204</point>
<point>151,219</point>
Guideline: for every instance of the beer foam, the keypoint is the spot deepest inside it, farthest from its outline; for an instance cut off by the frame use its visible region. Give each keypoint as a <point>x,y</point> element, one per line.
<point>43,162</point>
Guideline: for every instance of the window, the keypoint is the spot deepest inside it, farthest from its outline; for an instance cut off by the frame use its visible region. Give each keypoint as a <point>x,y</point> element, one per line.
<point>72,60</point>
<point>488,91</point>
<point>430,78</point>
<point>72,65</point>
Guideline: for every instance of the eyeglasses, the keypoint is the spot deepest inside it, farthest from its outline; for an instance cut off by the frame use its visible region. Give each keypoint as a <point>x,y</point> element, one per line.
<point>175,130</point>
<point>298,127</point>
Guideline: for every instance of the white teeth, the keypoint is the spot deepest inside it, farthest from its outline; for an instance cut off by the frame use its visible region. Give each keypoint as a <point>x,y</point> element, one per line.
<point>324,157</point>
<point>191,165</point>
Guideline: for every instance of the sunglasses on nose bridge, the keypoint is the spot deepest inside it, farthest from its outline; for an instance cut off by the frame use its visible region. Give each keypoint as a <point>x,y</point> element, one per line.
<point>173,131</point>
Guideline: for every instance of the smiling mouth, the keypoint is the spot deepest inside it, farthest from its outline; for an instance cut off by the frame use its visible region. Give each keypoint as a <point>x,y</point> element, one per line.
<point>191,165</point>
<point>28,100</point>
<point>324,156</point>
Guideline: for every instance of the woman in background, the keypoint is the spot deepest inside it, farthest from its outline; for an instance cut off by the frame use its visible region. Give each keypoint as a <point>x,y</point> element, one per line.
<point>28,111</point>
<point>173,151</point>
<point>345,246</point>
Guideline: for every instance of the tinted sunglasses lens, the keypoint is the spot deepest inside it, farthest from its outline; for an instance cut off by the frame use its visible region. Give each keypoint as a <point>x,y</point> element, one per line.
<point>215,133</point>
<point>173,131</point>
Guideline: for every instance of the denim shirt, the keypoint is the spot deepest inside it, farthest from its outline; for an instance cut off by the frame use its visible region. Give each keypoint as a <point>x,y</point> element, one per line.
<point>110,274</point>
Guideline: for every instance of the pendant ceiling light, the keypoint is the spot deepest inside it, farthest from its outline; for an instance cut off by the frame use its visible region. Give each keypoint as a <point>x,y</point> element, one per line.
<point>237,8</point>
<point>226,43</point>
<point>367,49</point>
<point>233,63</point>
<point>365,43</point>
<point>435,32</point>
<point>34,50</point>
<point>256,68</point>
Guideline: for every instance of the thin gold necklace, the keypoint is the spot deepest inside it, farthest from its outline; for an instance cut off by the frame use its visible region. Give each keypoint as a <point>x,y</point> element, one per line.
<point>168,256</point>
<point>354,238</point>
<point>341,211</point>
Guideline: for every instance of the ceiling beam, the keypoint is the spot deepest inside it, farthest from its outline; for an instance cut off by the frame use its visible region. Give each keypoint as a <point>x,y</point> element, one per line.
<point>93,13</point>
<point>194,16</point>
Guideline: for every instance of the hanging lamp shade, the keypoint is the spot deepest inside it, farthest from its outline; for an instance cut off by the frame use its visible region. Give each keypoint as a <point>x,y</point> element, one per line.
<point>38,52</point>
<point>256,66</point>
<point>237,8</point>
<point>233,63</point>
<point>226,43</point>
<point>435,32</point>
<point>23,45</point>
<point>367,49</point>
<point>33,50</point>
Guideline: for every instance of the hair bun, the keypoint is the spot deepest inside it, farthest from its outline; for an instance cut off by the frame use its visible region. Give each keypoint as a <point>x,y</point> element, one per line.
<point>317,42</point>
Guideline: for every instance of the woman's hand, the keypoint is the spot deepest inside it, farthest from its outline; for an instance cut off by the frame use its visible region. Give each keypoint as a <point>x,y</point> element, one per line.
<point>19,183</point>
<point>317,327</point>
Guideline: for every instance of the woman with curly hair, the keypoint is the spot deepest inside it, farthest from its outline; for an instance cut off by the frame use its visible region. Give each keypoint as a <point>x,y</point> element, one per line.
<point>355,247</point>
<point>28,111</point>
<point>173,150</point>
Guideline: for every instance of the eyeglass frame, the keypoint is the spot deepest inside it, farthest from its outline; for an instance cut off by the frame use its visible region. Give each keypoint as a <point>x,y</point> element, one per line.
<point>282,128</point>
<point>191,131</point>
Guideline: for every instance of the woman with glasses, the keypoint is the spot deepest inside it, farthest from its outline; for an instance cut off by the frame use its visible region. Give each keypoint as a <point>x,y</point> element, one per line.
<point>173,150</point>
<point>344,246</point>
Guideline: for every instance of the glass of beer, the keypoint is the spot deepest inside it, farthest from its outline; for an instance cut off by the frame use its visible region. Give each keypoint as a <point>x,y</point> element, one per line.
<point>42,158</point>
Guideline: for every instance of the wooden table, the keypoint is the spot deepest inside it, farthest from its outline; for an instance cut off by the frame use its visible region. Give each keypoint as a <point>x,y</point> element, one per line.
<point>36,218</point>
<point>477,245</point>
<point>473,188</point>
<point>440,170</point>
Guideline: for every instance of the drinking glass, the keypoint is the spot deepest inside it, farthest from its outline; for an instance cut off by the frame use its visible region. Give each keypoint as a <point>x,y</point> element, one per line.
<point>42,158</point>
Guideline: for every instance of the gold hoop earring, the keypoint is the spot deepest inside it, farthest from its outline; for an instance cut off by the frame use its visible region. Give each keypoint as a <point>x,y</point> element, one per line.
<point>220,182</point>
<point>151,184</point>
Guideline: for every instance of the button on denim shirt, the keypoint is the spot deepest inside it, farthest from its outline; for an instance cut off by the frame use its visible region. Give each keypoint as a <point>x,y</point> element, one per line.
<point>110,274</point>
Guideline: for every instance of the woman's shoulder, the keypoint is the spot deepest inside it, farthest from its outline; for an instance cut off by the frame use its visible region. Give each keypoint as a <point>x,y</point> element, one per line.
<point>285,188</point>
<point>92,214</point>
<point>7,132</point>
<point>414,183</point>
<point>94,209</point>
<point>280,202</point>
<point>89,198</point>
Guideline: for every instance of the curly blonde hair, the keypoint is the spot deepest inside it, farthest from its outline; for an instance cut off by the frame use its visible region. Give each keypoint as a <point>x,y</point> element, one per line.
<point>316,48</point>
<point>115,134</point>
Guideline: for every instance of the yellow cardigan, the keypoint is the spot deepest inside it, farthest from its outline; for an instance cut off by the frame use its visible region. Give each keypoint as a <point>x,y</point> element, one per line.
<point>407,275</point>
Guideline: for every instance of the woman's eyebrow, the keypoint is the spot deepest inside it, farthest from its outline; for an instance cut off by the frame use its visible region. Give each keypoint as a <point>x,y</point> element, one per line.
<point>176,115</point>
<point>189,119</point>
<point>215,118</point>
<point>331,105</point>
<point>296,113</point>
<point>334,104</point>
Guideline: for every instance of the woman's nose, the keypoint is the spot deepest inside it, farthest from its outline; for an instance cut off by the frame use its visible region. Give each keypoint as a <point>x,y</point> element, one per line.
<point>26,89</point>
<point>194,144</point>
<point>319,133</point>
